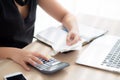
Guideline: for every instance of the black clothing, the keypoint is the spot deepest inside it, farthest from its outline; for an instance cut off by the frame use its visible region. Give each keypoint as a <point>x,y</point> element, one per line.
<point>22,2</point>
<point>14,30</point>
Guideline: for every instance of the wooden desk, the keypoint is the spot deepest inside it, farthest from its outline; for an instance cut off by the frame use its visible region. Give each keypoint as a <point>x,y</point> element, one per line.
<point>74,71</point>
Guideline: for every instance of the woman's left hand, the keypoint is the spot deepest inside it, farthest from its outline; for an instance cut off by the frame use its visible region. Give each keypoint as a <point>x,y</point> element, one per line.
<point>72,37</point>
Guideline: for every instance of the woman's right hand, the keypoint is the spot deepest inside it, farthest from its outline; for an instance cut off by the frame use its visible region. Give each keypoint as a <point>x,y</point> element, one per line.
<point>23,57</point>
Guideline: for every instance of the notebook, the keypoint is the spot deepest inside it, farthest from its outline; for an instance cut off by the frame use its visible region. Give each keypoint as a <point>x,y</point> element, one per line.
<point>56,37</point>
<point>89,33</point>
<point>102,53</point>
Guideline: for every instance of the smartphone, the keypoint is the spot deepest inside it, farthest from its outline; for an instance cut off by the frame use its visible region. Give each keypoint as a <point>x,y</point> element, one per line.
<point>15,76</point>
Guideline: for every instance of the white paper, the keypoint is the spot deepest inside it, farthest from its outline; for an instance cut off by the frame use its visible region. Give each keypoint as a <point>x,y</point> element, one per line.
<point>56,37</point>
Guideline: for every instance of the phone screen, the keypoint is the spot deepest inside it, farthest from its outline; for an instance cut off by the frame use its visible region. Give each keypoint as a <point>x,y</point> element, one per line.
<point>16,77</point>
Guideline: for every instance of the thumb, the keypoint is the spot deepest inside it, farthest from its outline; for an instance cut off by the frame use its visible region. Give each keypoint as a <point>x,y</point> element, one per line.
<point>70,38</point>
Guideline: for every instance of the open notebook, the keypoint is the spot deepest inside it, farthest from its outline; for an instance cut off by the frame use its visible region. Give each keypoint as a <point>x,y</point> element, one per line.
<point>56,37</point>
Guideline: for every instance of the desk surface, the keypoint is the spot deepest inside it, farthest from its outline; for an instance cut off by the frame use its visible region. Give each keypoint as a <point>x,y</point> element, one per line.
<point>74,71</point>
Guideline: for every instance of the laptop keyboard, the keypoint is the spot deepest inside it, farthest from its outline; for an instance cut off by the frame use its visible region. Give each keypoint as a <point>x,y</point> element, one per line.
<point>113,58</point>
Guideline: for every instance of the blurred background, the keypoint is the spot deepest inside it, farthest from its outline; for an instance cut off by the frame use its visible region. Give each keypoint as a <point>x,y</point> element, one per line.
<point>108,9</point>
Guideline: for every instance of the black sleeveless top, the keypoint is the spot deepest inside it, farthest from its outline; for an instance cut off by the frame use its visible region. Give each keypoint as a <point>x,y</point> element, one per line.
<point>14,30</point>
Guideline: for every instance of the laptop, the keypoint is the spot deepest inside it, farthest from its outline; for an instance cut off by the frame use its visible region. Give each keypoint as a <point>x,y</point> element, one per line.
<point>102,53</point>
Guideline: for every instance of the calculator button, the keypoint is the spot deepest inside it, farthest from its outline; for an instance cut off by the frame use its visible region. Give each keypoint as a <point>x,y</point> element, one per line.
<point>55,63</point>
<point>53,67</point>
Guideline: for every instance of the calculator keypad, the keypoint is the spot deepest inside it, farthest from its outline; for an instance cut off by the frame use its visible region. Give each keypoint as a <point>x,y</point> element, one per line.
<point>47,64</point>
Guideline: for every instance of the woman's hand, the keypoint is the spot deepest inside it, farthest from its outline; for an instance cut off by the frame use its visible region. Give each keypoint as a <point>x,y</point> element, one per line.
<point>24,57</point>
<point>72,37</point>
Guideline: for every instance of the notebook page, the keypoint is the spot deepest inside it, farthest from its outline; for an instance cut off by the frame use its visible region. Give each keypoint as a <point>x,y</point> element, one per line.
<point>56,38</point>
<point>89,33</point>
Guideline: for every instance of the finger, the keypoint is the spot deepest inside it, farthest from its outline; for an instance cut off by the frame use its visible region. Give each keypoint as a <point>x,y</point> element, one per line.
<point>75,40</point>
<point>44,57</point>
<point>68,40</point>
<point>37,60</point>
<point>24,65</point>
<point>71,39</point>
<point>30,61</point>
<point>40,55</point>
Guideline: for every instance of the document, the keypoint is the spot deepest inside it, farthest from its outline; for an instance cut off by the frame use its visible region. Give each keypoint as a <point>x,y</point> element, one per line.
<point>56,37</point>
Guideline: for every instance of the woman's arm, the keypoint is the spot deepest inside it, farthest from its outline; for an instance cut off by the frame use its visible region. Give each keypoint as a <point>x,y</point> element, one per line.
<point>20,56</point>
<point>53,8</point>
